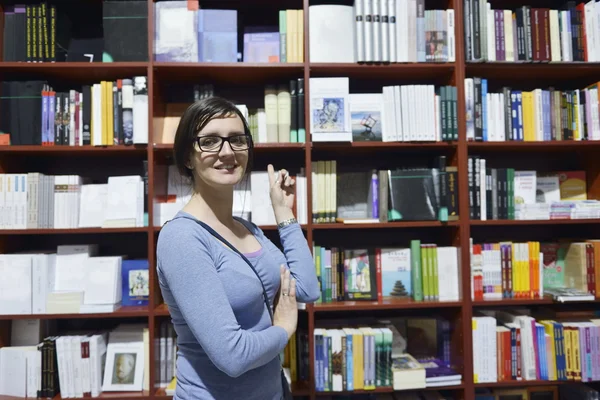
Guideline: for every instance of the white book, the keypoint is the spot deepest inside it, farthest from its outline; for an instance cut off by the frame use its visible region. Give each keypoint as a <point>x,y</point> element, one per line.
<point>102,280</point>
<point>122,206</point>
<point>16,285</point>
<point>451,35</point>
<point>555,47</point>
<point>359,27</point>
<point>368,116</point>
<point>448,262</point>
<point>392,25</point>
<point>332,33</point>
<point>377,39</point>
<point>402,31</point>
<point>262,209</point>
<point>330,110</point>
<point>14,373</point>
<point>368,30</point>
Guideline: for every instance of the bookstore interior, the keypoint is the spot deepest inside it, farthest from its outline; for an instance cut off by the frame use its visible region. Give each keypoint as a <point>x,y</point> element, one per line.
<point>480,285</point>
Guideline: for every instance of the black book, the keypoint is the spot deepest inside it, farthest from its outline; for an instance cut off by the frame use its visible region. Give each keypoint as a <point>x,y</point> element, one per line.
<point>294,111</point>
<point>125,26</point>
<point>300,102</point>
<point>414,194</point>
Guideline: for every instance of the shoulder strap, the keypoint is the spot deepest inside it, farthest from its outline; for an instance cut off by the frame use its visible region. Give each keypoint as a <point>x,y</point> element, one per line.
<point>222,239</point>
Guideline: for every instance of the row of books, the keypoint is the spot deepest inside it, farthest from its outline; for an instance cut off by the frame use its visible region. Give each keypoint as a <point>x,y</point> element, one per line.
<point>398,353</point>
<point>535,115</point>
<point>400,113</point>
<point>528,270</point>
<point>38,201</point>
<point>73,279</point>
<point>366,354</point>
<point>573,391</point>
<point>281,120</point>
<point>353,195</point>
<point>532,33</point>
<point>42,32</point>
<point>424,271</point>
<point>506,193</point>
<point>211,35</point>
<point>406,113</point>
<point>509,194</point>
<point>512,346</point>
<point>381,31</point>
<point>76,365</point>
<point>101,114</point>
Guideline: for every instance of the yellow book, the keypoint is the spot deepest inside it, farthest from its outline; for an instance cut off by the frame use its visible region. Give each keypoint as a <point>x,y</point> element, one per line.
<point>576,352</point>
<point>292,35</point>
<point>300,35</point>
<point>103,111</point>
<point>568,351</point>
<point>110,132</point>
<point>434,263</point>
<point>527,110</point>
<point>577,132</point>
<point>358,359</point>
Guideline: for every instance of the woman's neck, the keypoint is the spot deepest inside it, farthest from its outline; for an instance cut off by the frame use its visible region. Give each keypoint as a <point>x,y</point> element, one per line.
<point>212,205</point>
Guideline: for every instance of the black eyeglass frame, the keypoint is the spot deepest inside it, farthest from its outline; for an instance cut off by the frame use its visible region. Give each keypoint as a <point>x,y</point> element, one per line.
<point>224,139</point>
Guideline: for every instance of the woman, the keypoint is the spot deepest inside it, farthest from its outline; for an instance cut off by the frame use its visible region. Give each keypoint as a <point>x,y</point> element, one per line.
<point>228,344</point>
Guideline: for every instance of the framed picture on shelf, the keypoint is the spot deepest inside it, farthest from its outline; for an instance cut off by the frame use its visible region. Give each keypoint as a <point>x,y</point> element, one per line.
<point>124,368</point>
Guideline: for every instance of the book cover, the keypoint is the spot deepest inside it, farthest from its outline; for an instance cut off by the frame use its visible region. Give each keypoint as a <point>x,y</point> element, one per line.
<point>136,287</point>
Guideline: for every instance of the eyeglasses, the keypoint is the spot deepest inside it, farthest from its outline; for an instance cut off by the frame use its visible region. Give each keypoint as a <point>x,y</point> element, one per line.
<point>214,144</point>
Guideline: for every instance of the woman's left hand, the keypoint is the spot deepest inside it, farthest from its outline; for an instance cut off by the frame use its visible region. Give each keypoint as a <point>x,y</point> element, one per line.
<point>282,188</point>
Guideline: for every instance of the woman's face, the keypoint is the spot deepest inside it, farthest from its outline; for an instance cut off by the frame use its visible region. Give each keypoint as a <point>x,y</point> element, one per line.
<point>218,163</point>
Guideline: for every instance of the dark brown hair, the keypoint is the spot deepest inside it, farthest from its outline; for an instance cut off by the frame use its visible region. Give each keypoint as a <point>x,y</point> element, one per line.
<point>194,119</point>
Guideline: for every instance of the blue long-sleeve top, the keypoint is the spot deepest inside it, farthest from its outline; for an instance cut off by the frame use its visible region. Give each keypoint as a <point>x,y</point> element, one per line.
<point>227,345</point>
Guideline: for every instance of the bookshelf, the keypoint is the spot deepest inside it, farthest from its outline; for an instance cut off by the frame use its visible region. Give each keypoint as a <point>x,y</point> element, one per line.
<point>251,77</point>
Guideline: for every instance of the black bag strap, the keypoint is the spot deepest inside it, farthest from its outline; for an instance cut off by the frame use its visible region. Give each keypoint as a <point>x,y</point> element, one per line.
<point>225,242</point>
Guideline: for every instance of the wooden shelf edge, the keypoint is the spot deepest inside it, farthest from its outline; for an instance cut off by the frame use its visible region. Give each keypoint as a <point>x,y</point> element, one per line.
<point>510,222</point>
<point>521,383</point>
<point>78,65</point>
<point>200,65</point>
<point>123,312</point>
<point>514,144</point>
<point>76,231</point>
<point>350,306</point>
<point>377,145</point>
<point>388,389</point>
<point>73,149</point>
<point>383,65</point>
<point>377,225</point>
<point>533,64</point>
<point>528,302</point>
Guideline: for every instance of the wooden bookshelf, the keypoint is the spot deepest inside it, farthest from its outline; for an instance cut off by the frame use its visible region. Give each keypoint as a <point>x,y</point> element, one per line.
<point>251,78</point>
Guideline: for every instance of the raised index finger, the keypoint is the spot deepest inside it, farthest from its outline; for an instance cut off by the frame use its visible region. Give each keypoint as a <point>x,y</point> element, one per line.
<point>271,172</point>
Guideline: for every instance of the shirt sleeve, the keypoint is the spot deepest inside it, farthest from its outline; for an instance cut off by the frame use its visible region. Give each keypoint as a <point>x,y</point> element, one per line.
<point>300,262</point>
<point>187,267</point>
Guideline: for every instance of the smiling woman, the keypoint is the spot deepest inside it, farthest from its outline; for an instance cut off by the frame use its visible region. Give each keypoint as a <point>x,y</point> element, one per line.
<point>220,275</point>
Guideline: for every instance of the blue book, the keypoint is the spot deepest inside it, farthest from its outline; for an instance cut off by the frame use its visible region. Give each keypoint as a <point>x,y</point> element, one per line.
<point>217,36</point>
<point>136,285</point>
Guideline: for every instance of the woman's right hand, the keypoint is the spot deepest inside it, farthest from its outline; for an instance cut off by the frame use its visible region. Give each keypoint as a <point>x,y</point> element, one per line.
<point>286,309</point>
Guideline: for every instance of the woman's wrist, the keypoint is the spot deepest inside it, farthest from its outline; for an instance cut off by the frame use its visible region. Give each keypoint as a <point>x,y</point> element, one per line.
<point>283,214</point>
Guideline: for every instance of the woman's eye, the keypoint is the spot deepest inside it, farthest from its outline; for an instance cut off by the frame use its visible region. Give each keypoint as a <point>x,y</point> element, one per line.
<point>208,142</point>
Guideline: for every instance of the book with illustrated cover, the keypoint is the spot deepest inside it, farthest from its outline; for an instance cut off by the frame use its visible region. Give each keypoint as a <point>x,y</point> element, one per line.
<point>361,274</point>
